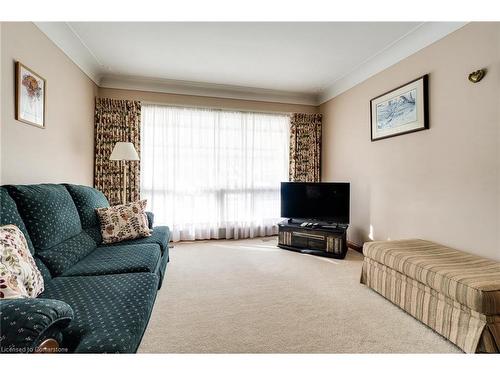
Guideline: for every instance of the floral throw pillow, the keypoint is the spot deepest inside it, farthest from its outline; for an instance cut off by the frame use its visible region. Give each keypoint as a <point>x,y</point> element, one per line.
<point>123,222</point>
<point>19,275</point>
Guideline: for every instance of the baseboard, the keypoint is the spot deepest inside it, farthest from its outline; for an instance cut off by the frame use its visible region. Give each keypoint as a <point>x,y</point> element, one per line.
<point>354,246</point>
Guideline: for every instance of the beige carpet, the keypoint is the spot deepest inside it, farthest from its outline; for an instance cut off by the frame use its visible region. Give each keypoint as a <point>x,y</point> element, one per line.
<point>248,296</point>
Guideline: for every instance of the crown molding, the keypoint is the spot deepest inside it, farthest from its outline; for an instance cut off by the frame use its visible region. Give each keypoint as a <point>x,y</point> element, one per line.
<point>70,43</point>
<point>170,86</point>
<point>63,36</point>
<point>420,37</point>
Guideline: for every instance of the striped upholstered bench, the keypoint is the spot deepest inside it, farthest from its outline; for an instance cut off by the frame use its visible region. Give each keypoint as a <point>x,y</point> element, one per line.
<point>455,293</point>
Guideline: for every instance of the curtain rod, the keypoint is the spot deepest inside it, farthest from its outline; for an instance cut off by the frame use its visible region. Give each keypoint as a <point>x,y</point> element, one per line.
<point>216,108</point>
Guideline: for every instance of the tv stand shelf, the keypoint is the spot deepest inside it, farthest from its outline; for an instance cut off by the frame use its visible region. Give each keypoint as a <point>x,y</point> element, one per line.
<point>324,239</point>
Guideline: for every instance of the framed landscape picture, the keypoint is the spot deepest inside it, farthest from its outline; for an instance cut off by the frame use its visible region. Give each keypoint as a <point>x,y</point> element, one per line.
<point>30,96</point>
<point>402,110</point>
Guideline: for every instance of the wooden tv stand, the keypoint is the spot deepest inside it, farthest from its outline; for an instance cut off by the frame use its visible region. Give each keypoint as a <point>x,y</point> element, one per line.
<point>328,240</point>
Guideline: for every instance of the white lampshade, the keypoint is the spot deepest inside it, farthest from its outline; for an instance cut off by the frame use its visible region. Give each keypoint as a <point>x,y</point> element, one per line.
<point>124,151</point>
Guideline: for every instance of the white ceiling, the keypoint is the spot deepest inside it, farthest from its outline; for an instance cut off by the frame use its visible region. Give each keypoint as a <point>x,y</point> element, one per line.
<point>280,61</point>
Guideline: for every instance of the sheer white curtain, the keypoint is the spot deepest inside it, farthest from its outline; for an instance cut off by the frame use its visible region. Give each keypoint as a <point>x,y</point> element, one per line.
<point>210,173</point>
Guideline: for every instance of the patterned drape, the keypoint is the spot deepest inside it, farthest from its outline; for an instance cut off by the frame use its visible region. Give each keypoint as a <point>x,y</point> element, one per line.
<point>116,121</point>
<point>305,147</point>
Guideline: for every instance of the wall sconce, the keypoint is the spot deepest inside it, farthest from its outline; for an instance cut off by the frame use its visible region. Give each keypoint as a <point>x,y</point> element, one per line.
<point>477,76</point>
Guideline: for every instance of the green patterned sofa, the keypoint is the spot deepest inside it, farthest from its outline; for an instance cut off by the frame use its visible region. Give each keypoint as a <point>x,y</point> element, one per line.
<point>97,298</point>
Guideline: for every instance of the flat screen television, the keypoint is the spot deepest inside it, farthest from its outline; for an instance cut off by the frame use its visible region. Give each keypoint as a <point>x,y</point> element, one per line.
<point>320,201</point>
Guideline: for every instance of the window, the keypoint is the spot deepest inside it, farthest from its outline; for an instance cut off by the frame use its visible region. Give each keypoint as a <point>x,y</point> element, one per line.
<point>213,174</point>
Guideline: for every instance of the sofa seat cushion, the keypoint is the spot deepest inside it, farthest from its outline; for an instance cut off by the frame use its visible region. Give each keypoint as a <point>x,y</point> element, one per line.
<point>118,259</point>
<point>10,215</point>
<point>468,279</point>
<point>160,236</point>
<point>48,211</point>
<point>64,255</point>
<point>111,312</point>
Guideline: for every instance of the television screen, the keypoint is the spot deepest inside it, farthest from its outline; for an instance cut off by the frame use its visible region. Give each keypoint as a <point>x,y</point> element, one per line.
<point>322,201</point>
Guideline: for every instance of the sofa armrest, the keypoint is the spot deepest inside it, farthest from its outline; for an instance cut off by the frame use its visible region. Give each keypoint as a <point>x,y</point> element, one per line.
<point>30,325</point>
<point>151,217</point>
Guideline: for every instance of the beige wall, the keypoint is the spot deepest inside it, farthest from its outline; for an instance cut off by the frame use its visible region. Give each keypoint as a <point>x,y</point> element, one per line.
<point>64,150</point>
<point>204,101</point>
<point>441,184</point>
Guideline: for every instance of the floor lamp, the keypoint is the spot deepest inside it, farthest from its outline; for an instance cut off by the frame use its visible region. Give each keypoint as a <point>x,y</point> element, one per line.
<point>124,151</point>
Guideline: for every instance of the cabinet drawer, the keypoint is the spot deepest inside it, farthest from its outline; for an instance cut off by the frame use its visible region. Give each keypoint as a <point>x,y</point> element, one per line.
<point>317,244</point>
<point>300,241</point>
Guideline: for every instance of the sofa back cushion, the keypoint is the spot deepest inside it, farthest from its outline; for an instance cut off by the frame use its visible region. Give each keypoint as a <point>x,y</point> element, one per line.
<point>49,213</point>
<point>10,215</point>
<point>43,270</point>
<point>87,199</point>
<point>54,225</point>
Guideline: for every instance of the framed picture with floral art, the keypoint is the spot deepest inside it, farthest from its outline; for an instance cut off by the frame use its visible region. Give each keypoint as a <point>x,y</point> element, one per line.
<point>30,96</point>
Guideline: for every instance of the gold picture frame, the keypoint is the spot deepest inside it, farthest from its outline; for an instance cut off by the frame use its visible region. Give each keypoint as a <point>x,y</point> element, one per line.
<point>30,96</point>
